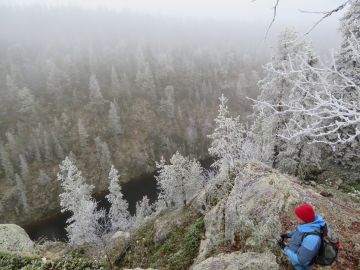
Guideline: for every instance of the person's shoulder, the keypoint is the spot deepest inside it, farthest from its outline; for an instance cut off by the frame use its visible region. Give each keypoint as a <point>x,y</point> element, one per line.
<point>311,241</point>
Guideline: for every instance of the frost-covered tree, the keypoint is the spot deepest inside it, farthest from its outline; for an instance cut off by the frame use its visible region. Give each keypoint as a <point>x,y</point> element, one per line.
<point>347,60</point>
<point>227,138</point>
<point>178,181</point>
<point>58,149</point>
<point>47,146</point>
<point>191,131</point>
<point>279,88</point>
<point>83,134</point>
<point>143,210</point>
<point>12,145</point>
<point>331,115</point>
<point>103,156</point>
<point>115,83</point>
<point>167,102</point>
<point>26,101</point>
<point>118,214</point>
<point>96,97</point>
<point>6,163</point>
<point>145,80</point>
<point>114,119</point>
<point>43,178</point>
<point>21,191</point>
<point>24,168</point>
<point>76,198</point>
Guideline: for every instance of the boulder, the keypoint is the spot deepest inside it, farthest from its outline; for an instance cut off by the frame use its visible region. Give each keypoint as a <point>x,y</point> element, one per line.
<point>118,244</point>
<point>239,261</point>
<point>14,239</point>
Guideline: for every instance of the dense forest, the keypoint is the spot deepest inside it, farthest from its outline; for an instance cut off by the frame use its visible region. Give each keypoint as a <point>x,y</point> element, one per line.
<point>108,88</point>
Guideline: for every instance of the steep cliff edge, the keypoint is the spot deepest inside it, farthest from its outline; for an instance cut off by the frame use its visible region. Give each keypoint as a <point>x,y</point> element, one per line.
<point>241,217</point>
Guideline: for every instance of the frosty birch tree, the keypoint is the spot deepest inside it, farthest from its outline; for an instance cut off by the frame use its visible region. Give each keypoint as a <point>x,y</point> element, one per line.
<point>118,214</point>
<point>227,138</point>
<point>180,180</point>
<point>76,198</point>
<point>333,116</point>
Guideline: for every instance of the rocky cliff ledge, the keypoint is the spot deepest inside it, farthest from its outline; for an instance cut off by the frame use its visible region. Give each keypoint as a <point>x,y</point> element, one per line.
<point>232,224</point>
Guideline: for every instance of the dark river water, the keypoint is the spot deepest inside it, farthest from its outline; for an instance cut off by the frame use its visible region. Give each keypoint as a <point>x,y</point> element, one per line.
<point>53,228</point>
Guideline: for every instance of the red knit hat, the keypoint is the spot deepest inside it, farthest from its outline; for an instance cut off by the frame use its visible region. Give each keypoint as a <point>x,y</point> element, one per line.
<point>305,212</point>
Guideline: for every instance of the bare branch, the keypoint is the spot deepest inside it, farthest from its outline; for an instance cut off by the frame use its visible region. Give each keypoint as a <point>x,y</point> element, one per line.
<point>274,17</point>
<point>326,15</point>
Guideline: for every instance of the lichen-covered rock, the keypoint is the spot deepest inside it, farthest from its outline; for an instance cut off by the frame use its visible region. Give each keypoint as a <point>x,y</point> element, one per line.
<point>260,206</point>
<point>239,261</point>
<point>14,239</point>
<point>255,207</point>
<point>214,222</point>
<point>118,244</point>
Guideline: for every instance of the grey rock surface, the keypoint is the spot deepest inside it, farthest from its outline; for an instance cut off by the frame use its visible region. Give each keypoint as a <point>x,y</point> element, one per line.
<point>13,238</point>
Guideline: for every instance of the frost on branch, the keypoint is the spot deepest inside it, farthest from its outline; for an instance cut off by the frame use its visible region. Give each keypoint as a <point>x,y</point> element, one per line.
<point>227,138</point>
<point>178,181</point>
<point>294,60</point>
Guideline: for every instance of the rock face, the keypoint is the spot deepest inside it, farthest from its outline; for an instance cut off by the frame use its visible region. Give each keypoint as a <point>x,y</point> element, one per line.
<point>239,261</point>
<point>258,206</point>
<point>14,239</point>
<point>118,244</point>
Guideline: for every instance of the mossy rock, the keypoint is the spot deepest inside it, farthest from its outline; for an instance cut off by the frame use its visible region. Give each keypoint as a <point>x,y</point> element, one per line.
<point>177,251</point>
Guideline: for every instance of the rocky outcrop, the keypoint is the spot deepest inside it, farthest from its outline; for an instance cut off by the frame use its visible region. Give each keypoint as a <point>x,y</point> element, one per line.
<point>259,206</point>
<point>14,239</point>
<point>233,224</point>
<point>239,261</point>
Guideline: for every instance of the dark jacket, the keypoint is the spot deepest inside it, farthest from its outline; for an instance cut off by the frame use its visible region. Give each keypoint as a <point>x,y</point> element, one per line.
<point>302,253</point>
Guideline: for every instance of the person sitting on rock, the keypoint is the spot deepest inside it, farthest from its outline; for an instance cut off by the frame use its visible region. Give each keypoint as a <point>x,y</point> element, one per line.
<point>302,248</point>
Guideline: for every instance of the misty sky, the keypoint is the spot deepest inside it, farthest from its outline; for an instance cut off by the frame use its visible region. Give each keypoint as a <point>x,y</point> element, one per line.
<point>205,9</point>
<point>236,11</point>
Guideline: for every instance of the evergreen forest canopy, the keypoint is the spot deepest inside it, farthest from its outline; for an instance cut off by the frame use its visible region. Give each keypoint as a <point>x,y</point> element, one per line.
<point>111,88</point>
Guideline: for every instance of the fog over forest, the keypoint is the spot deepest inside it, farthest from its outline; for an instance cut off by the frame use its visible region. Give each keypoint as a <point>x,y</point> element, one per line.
<point>125,83</point>
<point>115,112</point>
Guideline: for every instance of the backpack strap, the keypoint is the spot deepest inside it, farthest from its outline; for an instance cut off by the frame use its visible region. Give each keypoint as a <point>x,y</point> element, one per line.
<point>320,234</point>
<point>323,232</point>
<point>311,233</point>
